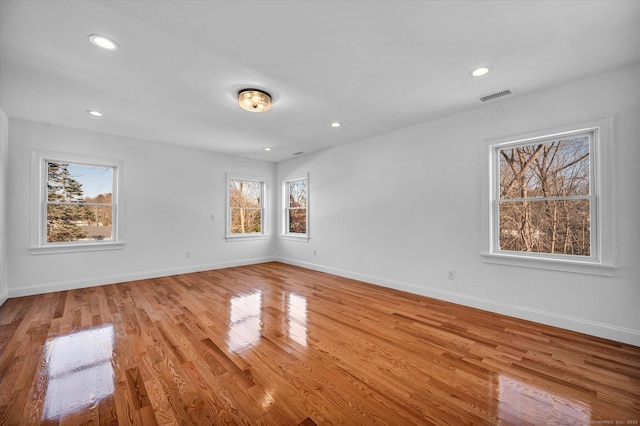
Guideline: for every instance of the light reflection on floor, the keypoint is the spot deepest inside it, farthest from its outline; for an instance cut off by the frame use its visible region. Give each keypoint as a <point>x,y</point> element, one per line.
<point>245,323</point>
<point>297,318</point>
<point>528,404</point>
<point>79,371</point>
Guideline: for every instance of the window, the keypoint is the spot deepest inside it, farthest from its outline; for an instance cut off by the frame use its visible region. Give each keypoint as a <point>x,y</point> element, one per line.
<point>296,199</point>
<point>549,201</point>
<point>77,203</point>
<point>246,207</point>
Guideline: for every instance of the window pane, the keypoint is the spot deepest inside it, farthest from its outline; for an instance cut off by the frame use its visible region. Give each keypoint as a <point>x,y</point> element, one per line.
<point>245,221</point>
<point>555,168</point>
<point>76,182</point>
<point>298,193</point>
<point>245,193</point>
<point>77,222</point>
<point>555,226</point>
<point>298,221</point>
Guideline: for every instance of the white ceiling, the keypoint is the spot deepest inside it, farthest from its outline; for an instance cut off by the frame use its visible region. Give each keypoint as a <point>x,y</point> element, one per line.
<point>375,66</point>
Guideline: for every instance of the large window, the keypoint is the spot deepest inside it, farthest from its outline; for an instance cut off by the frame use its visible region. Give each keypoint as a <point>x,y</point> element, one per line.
<point>246,207</point>
<point>295,206</point>
<point>77,203</point>
<point>549,202</point>
<point>545,200</point>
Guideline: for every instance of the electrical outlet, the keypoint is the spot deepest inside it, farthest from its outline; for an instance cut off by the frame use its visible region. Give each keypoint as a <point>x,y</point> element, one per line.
<point>187,254</point>
<point>315,252</point>
<point>452,274</point>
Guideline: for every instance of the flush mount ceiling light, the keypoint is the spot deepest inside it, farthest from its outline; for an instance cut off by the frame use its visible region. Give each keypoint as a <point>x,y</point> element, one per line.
<point>336,124</point>
<point>254,100</point>
<point>103,42</point>
<point>480,71</point>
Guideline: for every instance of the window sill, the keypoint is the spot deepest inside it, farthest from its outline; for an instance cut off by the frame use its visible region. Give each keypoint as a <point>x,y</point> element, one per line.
<point>75,248</point>
<point>246,237</point>
<point>564,265</point>
<point>295,237</point>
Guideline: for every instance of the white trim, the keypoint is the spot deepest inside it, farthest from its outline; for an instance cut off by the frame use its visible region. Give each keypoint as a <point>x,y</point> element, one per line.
<point>37,237</point>
<point>117,279</point>
<point>78,247</point>
<point>303,238</point>
<point>550,263</point>
<point>601,262</point>
<point>4,296</point>
<point>244,237</point>
<point>580,325</point>
<point>264,214</point>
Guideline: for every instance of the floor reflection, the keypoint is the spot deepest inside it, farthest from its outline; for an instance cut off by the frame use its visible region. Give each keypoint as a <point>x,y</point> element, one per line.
<point>524,403</point>
<point>245,323</point>
<point>79,370</point>
<point>297,318</point>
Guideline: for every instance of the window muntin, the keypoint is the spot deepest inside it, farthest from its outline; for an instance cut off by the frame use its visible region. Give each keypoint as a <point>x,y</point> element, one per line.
<point>246,208</point>
<point>79,202</point>
<point>296,200</point>
<point>545,202</point>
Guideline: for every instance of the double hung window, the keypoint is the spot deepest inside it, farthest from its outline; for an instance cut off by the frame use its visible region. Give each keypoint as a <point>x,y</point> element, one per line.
<point>296,203</point>
<point>246,207</point>
<point>549,201</point>
<point>77,203</point>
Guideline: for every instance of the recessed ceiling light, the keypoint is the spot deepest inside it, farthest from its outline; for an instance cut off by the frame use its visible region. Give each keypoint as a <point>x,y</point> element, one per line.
<point>103,42</point>
<point>94,113</point>
<point>336,124</point>
<point>480,71</point>
<point>266,148</point>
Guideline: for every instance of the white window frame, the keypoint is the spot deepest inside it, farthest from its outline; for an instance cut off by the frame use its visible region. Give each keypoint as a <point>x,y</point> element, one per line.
<point>600,261</point>
<point>38,234</point>
<point>285,210</point>
<point>263,213</point>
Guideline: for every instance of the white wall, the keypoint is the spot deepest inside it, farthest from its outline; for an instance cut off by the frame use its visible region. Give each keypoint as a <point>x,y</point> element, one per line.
<point>4,169</point>
<point>169,193</point>
<point>403,208</point>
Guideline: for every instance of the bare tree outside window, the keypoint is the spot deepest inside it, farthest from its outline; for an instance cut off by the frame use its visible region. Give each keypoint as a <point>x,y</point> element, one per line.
<point>245,204</point>
<point>545,199</point>
<point>296,206</point>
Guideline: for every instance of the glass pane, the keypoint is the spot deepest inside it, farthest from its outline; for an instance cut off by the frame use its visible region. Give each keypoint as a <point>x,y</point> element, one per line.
<point>555,227</point>
<point>298,221</point>
<point>244,221</point>
<point>77,183</point>
<point>245,193</point>
<point>555,168</point>
<point>298,193</point>
<point>77,222</point>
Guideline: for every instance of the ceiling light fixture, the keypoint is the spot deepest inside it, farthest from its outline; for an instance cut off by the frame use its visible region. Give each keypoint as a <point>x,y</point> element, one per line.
<point>103,42</point>
<point>266,148</point>
<point>480,71</point>
<point>336,124</point>
<point>254,100</point>
<point>94,113</point>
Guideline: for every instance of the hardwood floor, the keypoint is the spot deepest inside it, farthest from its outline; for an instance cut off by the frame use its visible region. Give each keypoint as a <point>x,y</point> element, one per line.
<point>279,345</point>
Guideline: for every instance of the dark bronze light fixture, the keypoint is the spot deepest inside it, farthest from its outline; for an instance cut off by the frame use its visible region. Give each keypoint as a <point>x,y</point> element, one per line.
<point>254,100</point>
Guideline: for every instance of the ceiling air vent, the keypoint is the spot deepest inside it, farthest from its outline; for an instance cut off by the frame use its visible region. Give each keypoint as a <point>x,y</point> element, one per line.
<point>495,95</point>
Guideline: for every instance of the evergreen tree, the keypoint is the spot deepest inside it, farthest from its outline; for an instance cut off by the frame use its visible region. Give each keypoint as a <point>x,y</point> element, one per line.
<point>62,219</point>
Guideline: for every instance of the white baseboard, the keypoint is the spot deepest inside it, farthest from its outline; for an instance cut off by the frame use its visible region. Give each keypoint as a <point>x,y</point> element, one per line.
<point>3,297</point>
<point>606,331</point>
<point>72,285</point>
